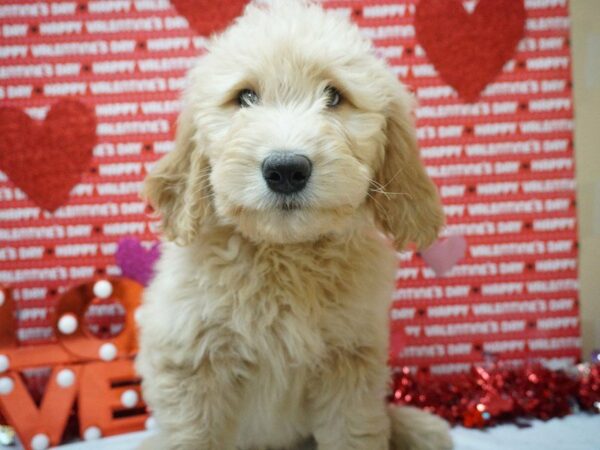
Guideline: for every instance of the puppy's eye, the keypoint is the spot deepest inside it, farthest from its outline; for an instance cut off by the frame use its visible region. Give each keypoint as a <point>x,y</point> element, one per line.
<point>333,96</point>
<point>247,98</point>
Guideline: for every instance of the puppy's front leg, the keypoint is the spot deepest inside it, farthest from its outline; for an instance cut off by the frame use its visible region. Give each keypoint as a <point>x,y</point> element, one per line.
<point>195,407</point>
<point>348,405</point>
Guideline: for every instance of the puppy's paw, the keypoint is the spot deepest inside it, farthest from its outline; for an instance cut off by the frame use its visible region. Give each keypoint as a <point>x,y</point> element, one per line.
<point>415,429</point>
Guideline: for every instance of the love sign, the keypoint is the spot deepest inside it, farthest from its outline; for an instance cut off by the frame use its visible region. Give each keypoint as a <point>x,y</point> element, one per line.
<point>95,374</point>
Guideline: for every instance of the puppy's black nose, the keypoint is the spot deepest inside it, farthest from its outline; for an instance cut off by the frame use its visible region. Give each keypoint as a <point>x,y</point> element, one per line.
<point>286,172</point>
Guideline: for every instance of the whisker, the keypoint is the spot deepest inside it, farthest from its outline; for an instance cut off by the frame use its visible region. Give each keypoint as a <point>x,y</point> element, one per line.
<point>378,188</point>
<point>379,207</point>
<point>395,175</point>
<point>377,184</point>
<point>387,193</point>
<point>208,196</point>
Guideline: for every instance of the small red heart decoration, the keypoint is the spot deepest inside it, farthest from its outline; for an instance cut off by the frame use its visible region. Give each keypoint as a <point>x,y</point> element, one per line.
<point>469,50</point>
<point>209,16</point>
<point>46,159</point>
<point>443,254</point>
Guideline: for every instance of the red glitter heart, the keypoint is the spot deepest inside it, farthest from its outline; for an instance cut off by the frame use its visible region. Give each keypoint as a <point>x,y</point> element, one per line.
<point>45,160</point>
<point>469,50</point>
<point>208,16</point>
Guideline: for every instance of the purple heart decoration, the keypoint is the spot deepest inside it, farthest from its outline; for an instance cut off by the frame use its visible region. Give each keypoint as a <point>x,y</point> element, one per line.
<point>443,254</point>
<point>135,261</point>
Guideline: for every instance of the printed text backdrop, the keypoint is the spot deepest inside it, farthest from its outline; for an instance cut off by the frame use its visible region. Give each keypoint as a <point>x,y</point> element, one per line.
<point>503,164</point>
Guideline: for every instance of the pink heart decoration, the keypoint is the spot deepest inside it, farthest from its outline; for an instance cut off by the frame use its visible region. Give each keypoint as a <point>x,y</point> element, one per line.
<point>443,254</point>
<point>135,261</point>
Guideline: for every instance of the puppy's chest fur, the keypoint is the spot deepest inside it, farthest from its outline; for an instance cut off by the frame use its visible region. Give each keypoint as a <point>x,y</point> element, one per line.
<point>292,302</point>
<point>277,313</point>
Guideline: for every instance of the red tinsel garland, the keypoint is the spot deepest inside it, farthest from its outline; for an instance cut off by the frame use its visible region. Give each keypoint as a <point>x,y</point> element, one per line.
<point>496,393</point>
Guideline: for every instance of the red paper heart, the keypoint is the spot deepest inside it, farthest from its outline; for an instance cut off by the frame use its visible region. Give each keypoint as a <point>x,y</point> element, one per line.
<point>443,254</point>
<point>469,50</point>
<point>209,16</point>
<point>46,159</point>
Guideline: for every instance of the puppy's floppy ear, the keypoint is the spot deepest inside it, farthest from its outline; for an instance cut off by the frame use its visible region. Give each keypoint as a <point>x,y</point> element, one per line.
<point>406,203</point>
<point>178,187</point>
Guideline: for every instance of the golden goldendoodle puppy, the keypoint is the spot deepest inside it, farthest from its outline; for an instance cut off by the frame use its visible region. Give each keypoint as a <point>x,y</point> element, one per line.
<point>266,326</point>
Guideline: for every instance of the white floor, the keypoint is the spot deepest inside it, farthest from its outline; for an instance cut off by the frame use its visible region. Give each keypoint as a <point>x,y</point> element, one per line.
<point>576,432</point>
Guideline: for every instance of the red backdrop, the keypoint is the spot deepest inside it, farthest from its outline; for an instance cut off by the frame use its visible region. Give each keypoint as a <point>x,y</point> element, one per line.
<point>503,163</point>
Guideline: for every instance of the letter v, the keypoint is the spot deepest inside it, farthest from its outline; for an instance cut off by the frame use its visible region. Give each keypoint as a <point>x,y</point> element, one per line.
<point>46,423</point>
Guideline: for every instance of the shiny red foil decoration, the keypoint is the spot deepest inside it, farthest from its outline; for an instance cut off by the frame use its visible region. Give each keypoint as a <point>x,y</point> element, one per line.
<point>496,393</point>
<point>588,392</point>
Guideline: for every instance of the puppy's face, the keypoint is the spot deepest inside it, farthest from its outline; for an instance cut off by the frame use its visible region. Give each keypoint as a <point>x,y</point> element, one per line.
<point>293,130</point>
<point>291,142</point>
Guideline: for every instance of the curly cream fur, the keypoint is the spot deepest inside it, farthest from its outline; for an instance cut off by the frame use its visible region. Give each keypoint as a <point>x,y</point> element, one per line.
<point>266,327</point>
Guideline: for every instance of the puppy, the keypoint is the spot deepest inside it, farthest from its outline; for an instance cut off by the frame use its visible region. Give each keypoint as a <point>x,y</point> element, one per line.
<point>266,326</point>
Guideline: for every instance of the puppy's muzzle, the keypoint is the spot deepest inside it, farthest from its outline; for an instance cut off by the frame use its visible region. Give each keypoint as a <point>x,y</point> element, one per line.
<point>286,172</point>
